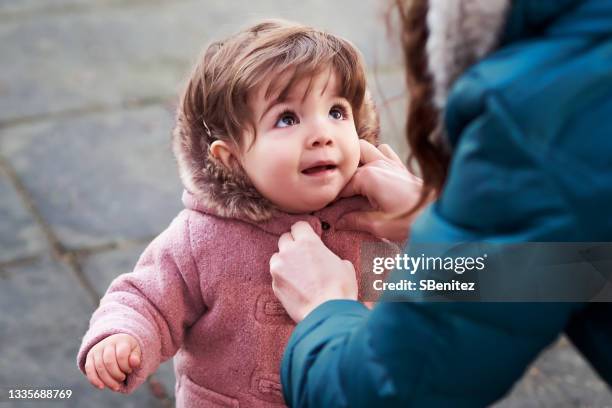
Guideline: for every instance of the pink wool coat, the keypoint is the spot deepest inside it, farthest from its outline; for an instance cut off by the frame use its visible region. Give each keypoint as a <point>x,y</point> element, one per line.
<point>202,292</point>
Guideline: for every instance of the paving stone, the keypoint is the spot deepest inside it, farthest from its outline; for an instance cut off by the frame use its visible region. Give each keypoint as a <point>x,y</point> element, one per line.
<point>165,374</point>
<point>560,377</point>
<point>101,268</point>
<point>98,56</point>
<point>389,92</point>
<point>99,178</point>
<point>11,8</point>
<point>44,316</point>
<point>393,126</point>
<point>20,236</point>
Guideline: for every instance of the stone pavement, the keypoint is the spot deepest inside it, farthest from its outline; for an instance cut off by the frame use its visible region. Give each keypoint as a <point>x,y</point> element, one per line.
<point>87,89</point>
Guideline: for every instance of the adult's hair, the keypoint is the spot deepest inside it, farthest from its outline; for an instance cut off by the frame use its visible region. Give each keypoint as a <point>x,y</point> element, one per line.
<point>423,131</point>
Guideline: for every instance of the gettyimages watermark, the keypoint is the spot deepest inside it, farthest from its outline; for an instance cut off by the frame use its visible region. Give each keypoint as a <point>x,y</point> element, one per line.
<point>488,272</point>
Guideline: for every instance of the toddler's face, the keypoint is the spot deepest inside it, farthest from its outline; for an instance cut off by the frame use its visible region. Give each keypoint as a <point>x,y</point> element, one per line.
<point>307,147</point>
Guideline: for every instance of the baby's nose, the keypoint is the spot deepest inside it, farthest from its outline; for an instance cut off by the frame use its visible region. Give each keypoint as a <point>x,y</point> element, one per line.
<point>321,140</point>
<point>320,136</point>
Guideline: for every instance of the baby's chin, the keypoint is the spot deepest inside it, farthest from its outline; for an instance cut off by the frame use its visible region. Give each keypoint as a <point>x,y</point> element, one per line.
<point>309,204</point>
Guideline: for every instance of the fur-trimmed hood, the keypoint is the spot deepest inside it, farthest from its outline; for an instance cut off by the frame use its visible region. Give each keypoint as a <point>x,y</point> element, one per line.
<point>224,192</point>
<point>461,32</point>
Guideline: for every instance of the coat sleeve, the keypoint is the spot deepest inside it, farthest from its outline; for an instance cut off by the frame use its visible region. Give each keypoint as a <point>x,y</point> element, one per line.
<point>455,354</point>
<point>155,303</point>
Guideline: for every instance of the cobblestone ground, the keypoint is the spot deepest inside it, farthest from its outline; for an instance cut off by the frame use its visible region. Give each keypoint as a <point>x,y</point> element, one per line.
<point>87,89</point>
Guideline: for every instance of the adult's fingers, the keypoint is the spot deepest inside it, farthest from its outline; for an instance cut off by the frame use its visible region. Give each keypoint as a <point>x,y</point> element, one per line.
<point>352,188</point>
<point>109,356</point>
<point>369,152</point>
<point>284,240</point>
<point>302,230</point>
<point>363,180</point>
<point>274,260</point>
<point>90,371</point>
<point>390,154</point>
<point>123,350</point>
<point>368,221</point>
<point>369,180</point>
<point>103,374</point>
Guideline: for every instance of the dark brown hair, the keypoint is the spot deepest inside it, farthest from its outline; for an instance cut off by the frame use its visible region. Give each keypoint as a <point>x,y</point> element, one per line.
<point>423,126</point>
<point>215,101</point>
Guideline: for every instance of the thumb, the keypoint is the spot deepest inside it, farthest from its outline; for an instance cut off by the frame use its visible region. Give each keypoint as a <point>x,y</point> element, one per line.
<point>350,189</point>
<point>367,221</point>
<point>135,357</point>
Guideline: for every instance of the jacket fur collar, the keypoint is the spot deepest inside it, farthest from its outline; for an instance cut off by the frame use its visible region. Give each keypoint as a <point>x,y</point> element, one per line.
<point>460,33</point>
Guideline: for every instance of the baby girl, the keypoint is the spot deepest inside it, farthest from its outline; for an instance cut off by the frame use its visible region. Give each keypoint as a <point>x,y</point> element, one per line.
<point>268,133</point>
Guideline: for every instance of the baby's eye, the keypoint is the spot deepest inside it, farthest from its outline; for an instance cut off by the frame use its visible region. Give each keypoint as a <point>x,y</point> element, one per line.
<point>287,119</point>
<point>337,112</point>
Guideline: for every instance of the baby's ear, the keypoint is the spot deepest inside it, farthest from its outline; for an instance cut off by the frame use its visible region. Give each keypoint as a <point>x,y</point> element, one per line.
<point>224,152</point>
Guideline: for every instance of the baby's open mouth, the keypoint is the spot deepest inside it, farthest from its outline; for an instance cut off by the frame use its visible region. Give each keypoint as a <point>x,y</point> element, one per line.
<point>319,169</point>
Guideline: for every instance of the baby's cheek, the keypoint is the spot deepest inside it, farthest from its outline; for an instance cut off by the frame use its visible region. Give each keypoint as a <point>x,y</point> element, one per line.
<point>268,162</point>
<point>277,177</point>
<point>279,166</point>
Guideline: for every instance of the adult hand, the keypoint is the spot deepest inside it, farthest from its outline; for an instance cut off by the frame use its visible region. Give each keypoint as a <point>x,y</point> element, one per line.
<point>305,273</point>
<point>391,190</point>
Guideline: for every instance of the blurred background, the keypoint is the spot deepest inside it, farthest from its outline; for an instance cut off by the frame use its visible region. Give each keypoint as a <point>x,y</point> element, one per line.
<point>87,178</point>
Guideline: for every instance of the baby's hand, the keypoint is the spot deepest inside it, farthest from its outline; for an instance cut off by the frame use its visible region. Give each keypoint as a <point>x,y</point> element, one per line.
<point>111,360</point>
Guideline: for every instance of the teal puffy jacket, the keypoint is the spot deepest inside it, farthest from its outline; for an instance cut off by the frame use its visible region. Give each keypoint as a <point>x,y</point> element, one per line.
<point>531,131</point>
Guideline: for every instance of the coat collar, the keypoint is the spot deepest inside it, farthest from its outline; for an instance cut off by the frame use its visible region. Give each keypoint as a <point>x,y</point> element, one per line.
<point>281,222</point>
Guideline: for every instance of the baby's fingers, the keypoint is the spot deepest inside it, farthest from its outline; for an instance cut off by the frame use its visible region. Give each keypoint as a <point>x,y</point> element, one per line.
<point>106,378</point>
<point>123,350</point>
<point>90,371</point>
<point>110,361</point>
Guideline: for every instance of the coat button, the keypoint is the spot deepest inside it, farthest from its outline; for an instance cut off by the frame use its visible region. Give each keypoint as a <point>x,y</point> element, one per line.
<point>325,225</point>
